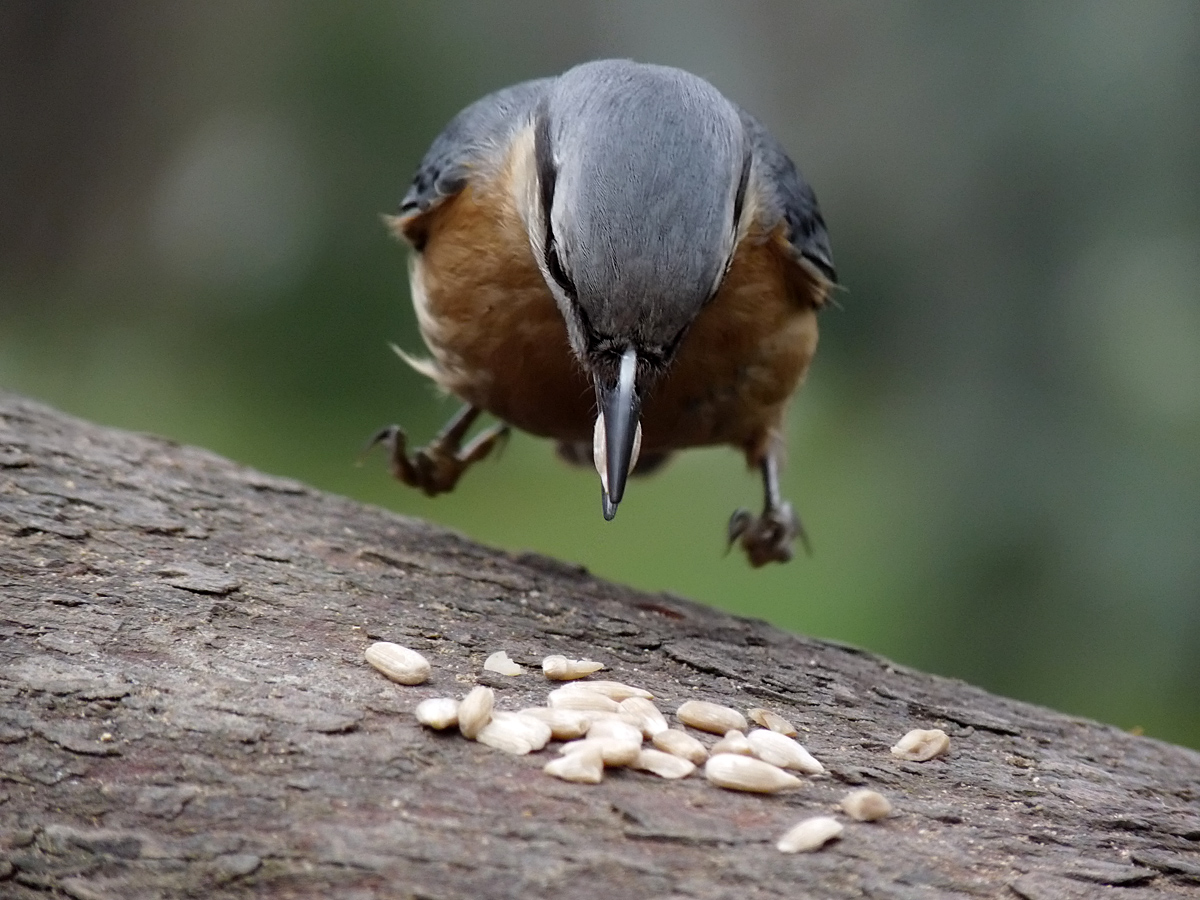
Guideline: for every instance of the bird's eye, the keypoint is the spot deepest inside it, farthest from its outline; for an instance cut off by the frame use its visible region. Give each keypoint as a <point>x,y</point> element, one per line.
<point>555,267</point>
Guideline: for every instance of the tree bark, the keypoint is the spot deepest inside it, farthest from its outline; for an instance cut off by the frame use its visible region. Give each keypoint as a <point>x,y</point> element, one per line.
<point>185,712</point>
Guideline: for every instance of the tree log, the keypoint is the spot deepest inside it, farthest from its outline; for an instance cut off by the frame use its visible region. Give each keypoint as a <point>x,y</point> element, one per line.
<point>185,712</point>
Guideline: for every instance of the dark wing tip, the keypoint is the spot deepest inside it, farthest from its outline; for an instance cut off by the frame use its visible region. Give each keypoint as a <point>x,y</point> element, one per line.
<point>823,264</point>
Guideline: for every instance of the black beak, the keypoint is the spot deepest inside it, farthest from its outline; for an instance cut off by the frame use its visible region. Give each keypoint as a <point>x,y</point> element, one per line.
<point>620,407</point>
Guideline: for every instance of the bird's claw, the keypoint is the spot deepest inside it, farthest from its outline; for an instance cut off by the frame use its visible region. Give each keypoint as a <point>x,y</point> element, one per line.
<point>767,538</point>
<point>436,467</point>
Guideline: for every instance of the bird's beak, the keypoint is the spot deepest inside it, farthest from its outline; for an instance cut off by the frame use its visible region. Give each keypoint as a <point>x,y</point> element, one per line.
<point>618,434</point>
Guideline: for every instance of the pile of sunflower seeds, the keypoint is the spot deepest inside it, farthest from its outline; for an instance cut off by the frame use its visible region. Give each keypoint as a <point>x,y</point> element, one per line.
<point>606,724</point>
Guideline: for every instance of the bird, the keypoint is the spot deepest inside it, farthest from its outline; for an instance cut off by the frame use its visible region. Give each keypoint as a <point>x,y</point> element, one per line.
<point>624,261</point>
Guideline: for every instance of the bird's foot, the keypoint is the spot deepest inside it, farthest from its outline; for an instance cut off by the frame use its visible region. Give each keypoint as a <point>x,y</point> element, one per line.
<point>768,538</point>
<point>436,467</point>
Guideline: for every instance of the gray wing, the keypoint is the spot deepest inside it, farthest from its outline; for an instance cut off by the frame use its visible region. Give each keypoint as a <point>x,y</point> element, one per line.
<point>794,201</point>
<point>480,130</point>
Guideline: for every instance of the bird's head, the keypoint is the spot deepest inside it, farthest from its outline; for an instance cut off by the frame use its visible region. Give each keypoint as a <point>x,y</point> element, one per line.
<point>641,175</point>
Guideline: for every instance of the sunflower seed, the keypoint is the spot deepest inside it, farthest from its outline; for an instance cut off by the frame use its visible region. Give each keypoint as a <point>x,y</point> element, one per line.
<point>559,668</point>
<point>613,751</point>
<point>398,663</point>
<point>585,766</point>
<point>648,716</point>
<point>616,729</point>
<point>618,716</point>
<point>866,805</point>
<point>920,745</point>
<point>438,712</point>
<point>475,711</point>
<point>537,732</point>
<point>664,765</point>
<point>506,735</point>
<point>773,721</point>
<point>681,744</point>
<point>811,834</point>
<point>733,742</point>
<point>711,717</point>
<point>514,733</point>
<point>780,750</point>
<point>565,724</point>
<point>745,773</point>
<point>614,690</point>
<point>499,662</point>
<point>566,698</point>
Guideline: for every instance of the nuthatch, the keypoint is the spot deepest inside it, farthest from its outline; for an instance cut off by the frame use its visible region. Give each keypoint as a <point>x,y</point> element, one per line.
<point>622,260</point>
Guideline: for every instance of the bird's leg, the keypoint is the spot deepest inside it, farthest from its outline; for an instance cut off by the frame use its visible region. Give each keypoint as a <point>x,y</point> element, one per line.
<point>769,537</point>
<point>436,467</point>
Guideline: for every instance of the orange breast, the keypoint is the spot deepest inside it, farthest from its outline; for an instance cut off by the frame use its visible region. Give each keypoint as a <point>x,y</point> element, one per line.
<point>744,357</point>
<point>485,312</point>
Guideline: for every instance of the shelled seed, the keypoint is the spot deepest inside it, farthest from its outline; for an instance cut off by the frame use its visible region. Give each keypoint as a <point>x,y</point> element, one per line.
<point>616,729</point>
<point>649,718</point>
<point>438,712</point>
<point>614,690</point>
<point>664,765</point>
<point>613,751</point>
<point>811,834</point>
<point>400,664</point>
<point>733,742</point>
<point>745,773</point>
<point>681,744</point>
<point>559,668</point>
<point>921,745</point>
<point>565,724</point>
<point>587,701</point>
<point>866,805</point>
<point>584,767</point>
<point>710,717</point>
<point>500,663</point>
<point>773,721</point>
<point>475,711</point>
<point>780,750</point>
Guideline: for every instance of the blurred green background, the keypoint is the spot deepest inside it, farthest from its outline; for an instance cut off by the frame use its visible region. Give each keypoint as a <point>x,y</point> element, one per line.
<point>998,450</point>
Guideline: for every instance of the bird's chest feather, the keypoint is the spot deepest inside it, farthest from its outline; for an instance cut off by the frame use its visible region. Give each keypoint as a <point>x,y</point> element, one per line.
<point>742,359</point>
<point>496,335</point>
<point>499,341</point>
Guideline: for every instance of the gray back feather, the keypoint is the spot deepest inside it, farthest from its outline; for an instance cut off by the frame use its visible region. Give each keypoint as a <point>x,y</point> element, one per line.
<point>476,137</point>
<point>786,195</point>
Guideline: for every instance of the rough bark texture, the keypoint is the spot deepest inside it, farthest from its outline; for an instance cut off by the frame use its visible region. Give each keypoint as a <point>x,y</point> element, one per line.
<point>185,712</point>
